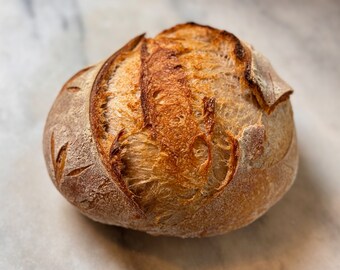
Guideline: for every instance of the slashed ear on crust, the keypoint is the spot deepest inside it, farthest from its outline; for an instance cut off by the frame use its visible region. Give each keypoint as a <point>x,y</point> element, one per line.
<point>266,85</point>
<point>268,88</point>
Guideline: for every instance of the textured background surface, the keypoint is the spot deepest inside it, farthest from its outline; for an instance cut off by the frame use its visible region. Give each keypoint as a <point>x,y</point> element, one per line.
<point>42,43</point>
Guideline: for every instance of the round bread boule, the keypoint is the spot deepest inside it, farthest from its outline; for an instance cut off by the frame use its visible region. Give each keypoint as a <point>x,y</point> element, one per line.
<point>188,134</point>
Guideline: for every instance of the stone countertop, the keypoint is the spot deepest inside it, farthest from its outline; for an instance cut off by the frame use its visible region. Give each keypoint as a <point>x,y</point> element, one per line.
<point>42,43</point>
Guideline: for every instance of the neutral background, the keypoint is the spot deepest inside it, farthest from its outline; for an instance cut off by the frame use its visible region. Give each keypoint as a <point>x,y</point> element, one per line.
<point>42,43</point>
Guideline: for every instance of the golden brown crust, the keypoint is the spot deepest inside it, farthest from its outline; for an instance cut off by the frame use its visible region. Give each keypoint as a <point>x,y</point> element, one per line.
<point>98,100</point>
<point>268,88</point>
<point>83,180</point>
<point>233,160</point>
<point>209,113</point>
<point>68,85</point>
<point>188,134</point>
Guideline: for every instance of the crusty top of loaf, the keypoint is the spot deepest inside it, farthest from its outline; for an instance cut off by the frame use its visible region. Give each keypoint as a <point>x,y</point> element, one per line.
<point>175,117</point>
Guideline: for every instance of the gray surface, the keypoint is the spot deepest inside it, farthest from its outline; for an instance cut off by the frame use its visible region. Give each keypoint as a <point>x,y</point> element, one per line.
<point>42,43</point>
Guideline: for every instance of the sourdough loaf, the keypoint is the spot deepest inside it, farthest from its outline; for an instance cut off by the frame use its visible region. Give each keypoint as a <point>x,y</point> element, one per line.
<point>188,134</point>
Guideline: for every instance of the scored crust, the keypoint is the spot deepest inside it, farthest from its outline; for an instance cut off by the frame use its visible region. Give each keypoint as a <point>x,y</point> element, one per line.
<point>188,134</point>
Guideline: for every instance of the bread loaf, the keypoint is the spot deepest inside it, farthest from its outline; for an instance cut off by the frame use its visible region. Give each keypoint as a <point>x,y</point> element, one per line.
<point>188,134</point>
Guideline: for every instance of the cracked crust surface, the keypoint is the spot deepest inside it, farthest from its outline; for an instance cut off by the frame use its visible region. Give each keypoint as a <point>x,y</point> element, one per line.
<point>190,133</point>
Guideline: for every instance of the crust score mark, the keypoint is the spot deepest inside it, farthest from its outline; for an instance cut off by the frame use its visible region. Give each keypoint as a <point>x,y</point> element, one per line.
<point>59,162</point>
<point>166,99</point>
<point>111,157</point>
<point>168,112</point>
